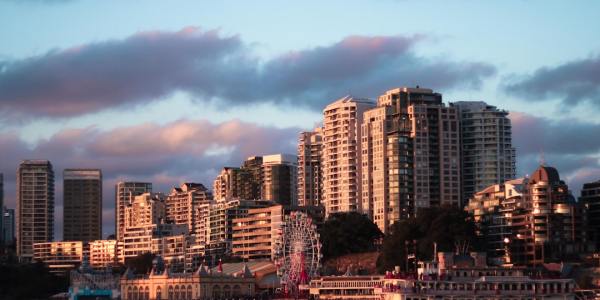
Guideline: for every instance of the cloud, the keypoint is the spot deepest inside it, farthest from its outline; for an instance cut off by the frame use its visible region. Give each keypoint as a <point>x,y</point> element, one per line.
<point>165,155</point>
<point>574,82</point>
<point>152,65</point>
<point>567,145</point>
<point>536,134</point>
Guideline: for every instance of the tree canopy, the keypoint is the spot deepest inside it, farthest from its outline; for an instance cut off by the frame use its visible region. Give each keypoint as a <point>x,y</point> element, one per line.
<point>345,233</point>
<point>447,226</point>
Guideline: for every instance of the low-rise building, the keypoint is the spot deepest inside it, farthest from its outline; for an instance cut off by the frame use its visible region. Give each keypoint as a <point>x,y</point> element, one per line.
<point>448,277</point>
<point>60,257</point>
<point>201,284</point>
<point>103,253</point>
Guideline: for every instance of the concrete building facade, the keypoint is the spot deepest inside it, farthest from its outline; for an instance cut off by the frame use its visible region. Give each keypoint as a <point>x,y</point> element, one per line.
<point>280,177</point>
<point>82,204</point>
<point>125,193</point>
<point>529,221</point>
<point>310,179</point>
<point>183,205</point>
<point>230,184</point>
<point>488,156</point>
<point>60,257</point>
<point>35,206</point>
<point>103,253</point>
<point>341,161</point>
<point>200,284</point>
<point>255,235</point>
<point>410,155</point>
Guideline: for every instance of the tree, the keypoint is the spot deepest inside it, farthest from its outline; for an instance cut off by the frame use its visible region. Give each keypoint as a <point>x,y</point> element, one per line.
<point>29,281</point>
<point>345,233</point>
<point>448,226</point>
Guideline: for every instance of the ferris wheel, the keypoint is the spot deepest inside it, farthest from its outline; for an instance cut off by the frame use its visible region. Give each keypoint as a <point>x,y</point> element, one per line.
<point>298,251</point>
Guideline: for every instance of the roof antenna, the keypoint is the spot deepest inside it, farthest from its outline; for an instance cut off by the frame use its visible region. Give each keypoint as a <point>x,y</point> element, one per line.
<point>542,160</point>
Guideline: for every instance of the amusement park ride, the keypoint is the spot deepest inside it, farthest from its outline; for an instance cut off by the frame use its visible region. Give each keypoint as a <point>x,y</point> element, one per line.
<point>298,253</point>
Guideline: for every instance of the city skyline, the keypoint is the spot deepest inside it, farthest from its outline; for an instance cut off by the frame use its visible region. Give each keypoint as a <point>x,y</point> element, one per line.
<point>188,129</point>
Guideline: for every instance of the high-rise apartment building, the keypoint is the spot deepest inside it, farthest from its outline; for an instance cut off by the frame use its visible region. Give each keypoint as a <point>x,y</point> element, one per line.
<point>35,206</point>
<point>82,209</point>
<point>144,220</point>
<point>590,198</point>
<point>341,162</point>
<point>183,205</point>
<point>8,226</point>
<point>310,181</point>
<point>410,155</point>
<point>125,193</point>
<point>255,235</point>
<point>488,156</point>
<point>279,181</point>
<point>230,184</point>
<point>253,166</point>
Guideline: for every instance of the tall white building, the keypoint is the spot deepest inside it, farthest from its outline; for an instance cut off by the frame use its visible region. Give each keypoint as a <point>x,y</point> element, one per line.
<point>342,154</point>
<point>35,206</point>
<point>310,181</point>
<point>488,156</point>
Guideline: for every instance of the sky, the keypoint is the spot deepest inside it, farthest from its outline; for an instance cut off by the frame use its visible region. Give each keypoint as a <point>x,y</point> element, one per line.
<point>172,91</point>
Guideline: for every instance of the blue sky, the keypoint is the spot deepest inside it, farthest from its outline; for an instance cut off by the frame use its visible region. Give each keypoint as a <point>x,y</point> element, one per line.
<point>538,59</point>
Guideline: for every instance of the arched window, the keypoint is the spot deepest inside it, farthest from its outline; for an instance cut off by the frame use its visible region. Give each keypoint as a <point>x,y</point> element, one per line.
<point>129,294</point>
<point>158,293</point>
<point>170,292</point>
<point>147,294</point>
<point>226,291</point>
<point>237,291</point>
<point>177,292</point>
<point>216,291</point>
<point>189,292</point>
<point>135,293</point>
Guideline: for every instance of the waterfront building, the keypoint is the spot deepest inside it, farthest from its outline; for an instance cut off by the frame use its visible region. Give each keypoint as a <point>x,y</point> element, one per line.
<point>341,162</point>
<point>200,284</point>
<point>487,154</point>
<point>529,221</point>
<point>35,206</point>
<point>310,179</point>
<point>125,192</point>
<point>458,277</point>
<point>82,204</point>
<point>60,257</point>
<point>88,283</point>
